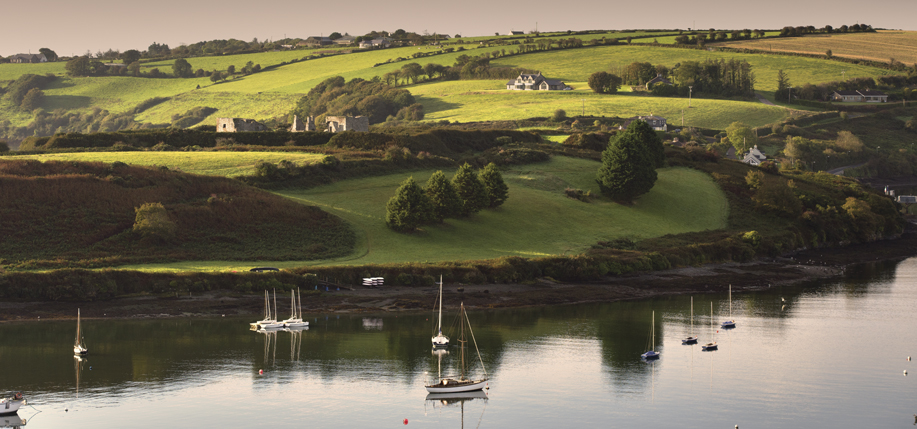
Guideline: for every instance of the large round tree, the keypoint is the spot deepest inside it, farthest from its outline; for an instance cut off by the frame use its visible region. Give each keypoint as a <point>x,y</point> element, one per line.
<point>497,191</point>
<point>470,189</point>
<point>650,139</point>
<point>409,208</point>
<point>442,195</point>
<point>628,166</point>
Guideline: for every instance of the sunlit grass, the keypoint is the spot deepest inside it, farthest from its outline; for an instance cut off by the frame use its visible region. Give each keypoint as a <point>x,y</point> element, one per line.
<point>537,219</point>
<point>229,164</point>
<point>880,46</point>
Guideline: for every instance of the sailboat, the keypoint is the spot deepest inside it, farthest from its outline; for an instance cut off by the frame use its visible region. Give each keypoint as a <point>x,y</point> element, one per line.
<point>709,347</point>
<point>295,320</point>
<point>729,324</point>
<point>440,340</point>
<point>651,353</point>
<point>269,322</point>
<point>79,348</point>
<point>462,384</point>
<point>691,339</point>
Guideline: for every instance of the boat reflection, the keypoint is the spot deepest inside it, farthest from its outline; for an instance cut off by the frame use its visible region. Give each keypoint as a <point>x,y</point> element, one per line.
<point>441,400</point>
<point>12,421</point>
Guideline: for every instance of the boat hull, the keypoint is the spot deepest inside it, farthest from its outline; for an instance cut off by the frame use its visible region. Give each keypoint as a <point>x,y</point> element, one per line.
<point>650,355</point>
<point>728,325</point>
<point>709,347</point>
<point>440,341</point>
<point>80,351</point>
<point>469,386</point>
<point>689,340</point>
<point>295,323</point>
<point>10,406</point>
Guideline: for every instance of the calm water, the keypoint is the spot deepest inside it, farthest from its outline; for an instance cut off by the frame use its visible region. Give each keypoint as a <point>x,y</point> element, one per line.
<point>832,356</point>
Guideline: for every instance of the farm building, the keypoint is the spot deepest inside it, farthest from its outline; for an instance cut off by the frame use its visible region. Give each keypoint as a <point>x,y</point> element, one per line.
<point>535,82</point>
<point>515,33</point>
<point>300,126</point>
<point>859,96</point>
<point>336,124</point>
<point>754,157</point>
<point>382,42</point>
<point>344,40</point>
<point>316,41</point>
<point>657,123</point>
<point>28,58</point>
<point>237,125</point>
<point>658,79</point>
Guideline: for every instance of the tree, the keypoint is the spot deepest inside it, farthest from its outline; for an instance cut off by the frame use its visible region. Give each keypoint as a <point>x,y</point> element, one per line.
<point>231,69</point>
<point>648,137</point>
<point>497,191</point>
<point>802,149</point>
<point>215,76</point>
<point>849,142</point>
<point>604,83</point>
<point>49,54</point>
<point>78,66</point>
<point>335,36</point>
<point>181,68</point>
<point>470,190</point>
<point>560,115</point>
<point>130,56</point>
<point>134,68</point>
<point>409,208</point>
<point>32,100</point>
<point>741,136</point>
<point>152,222</point>
<point>4,146</point>
<point>412,71</point>
<point>783,84</point>
<point>628,168</point>
<point>444,199</point>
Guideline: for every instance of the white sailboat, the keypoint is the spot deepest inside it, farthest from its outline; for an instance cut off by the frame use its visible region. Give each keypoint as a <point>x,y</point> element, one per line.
<point>79,347</point>
<point>440,340</point>
<point>295,321</point>
<point>729,324</point>
<point>651,353</point>
<point>709,347</point>
<point>268,322</point>
<point>691,339</point>
<point>462,384</point>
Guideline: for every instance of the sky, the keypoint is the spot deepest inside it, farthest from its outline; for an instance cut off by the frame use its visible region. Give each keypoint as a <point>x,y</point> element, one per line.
<point>73,27</point>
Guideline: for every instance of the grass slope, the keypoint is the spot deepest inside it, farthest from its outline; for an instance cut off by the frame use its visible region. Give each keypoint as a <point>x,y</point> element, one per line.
<point>880,46</point>
<point>227,164</point>
<point>467,101</point>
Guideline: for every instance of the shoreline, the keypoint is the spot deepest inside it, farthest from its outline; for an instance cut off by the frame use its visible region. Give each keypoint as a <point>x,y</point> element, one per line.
<point>711,278</point>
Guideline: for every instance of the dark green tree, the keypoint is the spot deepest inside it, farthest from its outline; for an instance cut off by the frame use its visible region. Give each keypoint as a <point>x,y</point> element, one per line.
<point>130,56</point>
<point>628,168</point>
<point>444,199</point>
<point>32,100</point>
<point>181,68</point>
<point>409,208</point>
<point>497,191</point>
<point>648,137</point>
<point>231,69</point>
<point>134,68</point>
<point>783,85</point>
<point>215,76</point>
<point>78,66</point>
<point>470,189</point>
<point>49,54</point>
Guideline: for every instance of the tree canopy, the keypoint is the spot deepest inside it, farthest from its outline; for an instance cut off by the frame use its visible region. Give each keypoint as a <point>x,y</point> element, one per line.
<point>334,96</point>
<point>497,191</point>
<point>604,83</point>
<point>409,208</point>
<point>628,166</point>
<point>470,189</point>
<point>742,137</point>
<point>443,198</point>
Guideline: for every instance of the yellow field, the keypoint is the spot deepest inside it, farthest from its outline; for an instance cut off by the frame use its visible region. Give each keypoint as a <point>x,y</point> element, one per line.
<point>881,46</point>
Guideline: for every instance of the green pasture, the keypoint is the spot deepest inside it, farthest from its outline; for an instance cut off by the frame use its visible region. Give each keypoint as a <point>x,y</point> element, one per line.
<point>670,40</point>
<point>10,71</point>
<point>228,105</point>
<point>467,101</point>
<point>576,65</point>
<point>229,164</point>
<point>536,220</point>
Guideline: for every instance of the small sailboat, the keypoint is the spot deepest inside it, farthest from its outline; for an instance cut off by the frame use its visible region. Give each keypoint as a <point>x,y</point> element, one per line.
<point>440,340</point>
<point>79,347</point>
<point>295,321</point>
<point>10,404</point>
<point>729,324</point>
<point>462,384</point>
<point>268,322</point>
<point>652,353</point>
<point>691,339</point>
<point>709,347</point>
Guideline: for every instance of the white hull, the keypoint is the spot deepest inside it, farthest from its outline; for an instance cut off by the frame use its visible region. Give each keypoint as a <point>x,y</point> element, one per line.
<point>10,406</point>
<point>295,323</point>
<point>80,350</point>
<point>271,326</point>
<point>440,341</point>
<point>465,387</point>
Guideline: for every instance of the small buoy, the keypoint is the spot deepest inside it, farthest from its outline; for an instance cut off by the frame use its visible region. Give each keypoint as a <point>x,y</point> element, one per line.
<point>66,410</point>
<point>260,372</point>
<point>222,315</point>
<point>90,367</point>
<point>908,358</point>
<point>405,422</point>
<point>905,372</point>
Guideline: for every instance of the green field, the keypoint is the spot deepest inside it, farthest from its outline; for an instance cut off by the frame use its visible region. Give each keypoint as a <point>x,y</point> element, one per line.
<point>229,164</point>
<point>536,220</point>
<point>484,100</point>
<point>880,46</point>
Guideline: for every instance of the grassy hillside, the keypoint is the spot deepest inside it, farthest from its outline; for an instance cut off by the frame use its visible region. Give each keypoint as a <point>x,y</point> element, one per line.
<point>488,100</point>
<point>83,214</point>
<point>880,46</point>
<point>226,164</point>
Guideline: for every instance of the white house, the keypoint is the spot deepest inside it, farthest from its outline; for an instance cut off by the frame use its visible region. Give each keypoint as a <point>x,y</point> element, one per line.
<point>754,157</point>
<point>535,82</point>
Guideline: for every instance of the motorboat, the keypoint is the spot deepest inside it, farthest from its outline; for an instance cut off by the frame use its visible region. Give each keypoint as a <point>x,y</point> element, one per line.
<point>9,404</point>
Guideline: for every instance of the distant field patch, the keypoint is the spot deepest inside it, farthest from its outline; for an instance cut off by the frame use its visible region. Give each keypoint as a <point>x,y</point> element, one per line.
<point>228,164</point>
<point>880,46</point>
<point>482,100</point>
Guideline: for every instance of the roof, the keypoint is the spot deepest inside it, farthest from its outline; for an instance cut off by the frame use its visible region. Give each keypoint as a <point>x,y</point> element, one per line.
<point>554,82</point>
<point>845,92</point>
<point>658,79</point>
<point>867,92</point>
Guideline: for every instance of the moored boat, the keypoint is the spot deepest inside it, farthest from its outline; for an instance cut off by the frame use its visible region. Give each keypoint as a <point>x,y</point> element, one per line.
<point>79,347</point>
<point>10,403</point>
<point>461,384</point>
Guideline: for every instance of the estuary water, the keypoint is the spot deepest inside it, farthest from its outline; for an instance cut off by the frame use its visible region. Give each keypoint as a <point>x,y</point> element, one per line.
<point>828,354</point>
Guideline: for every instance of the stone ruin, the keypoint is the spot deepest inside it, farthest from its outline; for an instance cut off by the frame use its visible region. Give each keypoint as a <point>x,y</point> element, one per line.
<point>236,125</point>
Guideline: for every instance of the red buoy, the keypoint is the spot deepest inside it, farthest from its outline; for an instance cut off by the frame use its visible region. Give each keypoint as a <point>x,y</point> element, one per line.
<point>260,372</point>
<point>405,421</point>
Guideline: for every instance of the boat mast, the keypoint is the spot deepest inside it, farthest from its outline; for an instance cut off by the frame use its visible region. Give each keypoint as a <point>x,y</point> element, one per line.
<point>439,323</point>
<point>730,302</point>
<point>76,341</point>
<point>275,301</point>
<point>462,336</point>
<point>692,316</point>
<point>293,304</point>
<point>300,303</point>
<point>653,330</point>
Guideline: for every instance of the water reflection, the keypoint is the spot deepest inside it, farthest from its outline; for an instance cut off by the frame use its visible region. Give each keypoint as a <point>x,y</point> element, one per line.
<point>440,401</point>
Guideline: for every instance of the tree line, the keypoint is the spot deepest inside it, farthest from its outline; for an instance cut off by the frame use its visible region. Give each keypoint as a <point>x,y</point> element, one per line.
<point>721,77</point>
<point>374,99</point>
<point>466,194</point>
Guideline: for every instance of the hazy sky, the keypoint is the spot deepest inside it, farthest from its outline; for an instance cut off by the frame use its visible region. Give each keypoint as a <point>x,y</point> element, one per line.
<point>73,27</point>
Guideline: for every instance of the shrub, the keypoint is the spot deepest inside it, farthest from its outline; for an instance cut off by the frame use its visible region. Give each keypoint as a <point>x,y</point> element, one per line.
<point>560,115</point>
<point>152,222</point>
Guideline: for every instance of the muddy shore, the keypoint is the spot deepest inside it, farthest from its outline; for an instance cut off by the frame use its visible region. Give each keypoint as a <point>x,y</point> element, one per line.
<point>713,278</point>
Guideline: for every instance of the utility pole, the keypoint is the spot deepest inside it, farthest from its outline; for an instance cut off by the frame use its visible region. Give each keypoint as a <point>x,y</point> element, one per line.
<point>690,90</point>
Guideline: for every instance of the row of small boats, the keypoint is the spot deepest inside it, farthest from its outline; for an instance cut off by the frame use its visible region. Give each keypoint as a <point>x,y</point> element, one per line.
<point>652,354</point>
<point>270,321</point>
